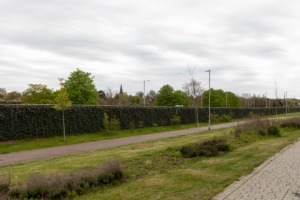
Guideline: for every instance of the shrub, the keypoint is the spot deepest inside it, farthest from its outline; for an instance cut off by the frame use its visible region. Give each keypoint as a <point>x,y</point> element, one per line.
<point>223,147</point>
<point>274,130</point>
<point>207,148</point>
<point>294,122</point>
<point>176,119</point>
<point>80,184</point>
<point>111,126</point>
<point>118,174</point>
<point>79,190</point>
<point>132,125</point>
<point>38,192</point>
<point>4,188</point>
<point>36,179</point>
<point>91,181</point>
<point>58,193</point>
<point>141,124</point>
<point>115,124</point>
<point>15,193</point>
<point>105,178</point>
<point>70,185</point>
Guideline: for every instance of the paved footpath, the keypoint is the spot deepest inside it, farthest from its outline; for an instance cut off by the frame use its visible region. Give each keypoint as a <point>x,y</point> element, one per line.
<point>277,178</point>
<point>37,154</point>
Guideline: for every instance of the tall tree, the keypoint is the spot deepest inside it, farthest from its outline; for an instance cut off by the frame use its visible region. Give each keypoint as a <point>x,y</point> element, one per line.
<point>166,96</point>
<point>63,103</point>
<point>218,99</point>
<point>81,88</point>
<point>38,94</point>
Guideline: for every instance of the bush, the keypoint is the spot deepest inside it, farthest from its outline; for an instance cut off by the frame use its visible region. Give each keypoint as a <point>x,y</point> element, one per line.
<point>58,193</point>
<point>91,181</point>
<point>223,147</point>
<point>15,193</point>
<point>209,148</point>
<point>4,188</point>
<point>81,184</point>
<point>38,192</point>
<point>79,190</point>
<point>294,122</point>
<point>274,130</point>
<point>118,174</point>
<point>176,119</point>
<point>70,185</point>
<point>105,178</point>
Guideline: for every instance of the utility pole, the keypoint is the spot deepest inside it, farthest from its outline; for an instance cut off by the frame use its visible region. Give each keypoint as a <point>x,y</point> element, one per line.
<point>267,100</point>
<point>209,101</point>
<point>226,99</point>
<point>286,104</point>
<point>201,99</point>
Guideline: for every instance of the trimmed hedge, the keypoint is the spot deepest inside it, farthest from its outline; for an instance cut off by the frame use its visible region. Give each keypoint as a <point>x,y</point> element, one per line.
<point>25,121</point>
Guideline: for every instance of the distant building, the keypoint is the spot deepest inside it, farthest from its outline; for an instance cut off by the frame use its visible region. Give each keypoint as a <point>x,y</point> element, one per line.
<point>298,105</point>
<point>1,100</point>
<point>19,100</point>
<point>121,90</point>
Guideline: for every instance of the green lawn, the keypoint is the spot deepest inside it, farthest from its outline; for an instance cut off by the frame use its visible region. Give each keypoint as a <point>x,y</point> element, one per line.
<point>193,179</point>
<point>200,179</point>
<point>21,145</point>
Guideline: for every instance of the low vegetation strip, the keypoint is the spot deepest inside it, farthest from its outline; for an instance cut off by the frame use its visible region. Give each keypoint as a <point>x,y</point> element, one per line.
<point>159,169</point>
<point>38,121</point>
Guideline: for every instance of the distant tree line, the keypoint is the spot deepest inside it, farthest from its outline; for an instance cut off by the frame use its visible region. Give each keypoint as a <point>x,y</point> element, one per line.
<point>81,90</point>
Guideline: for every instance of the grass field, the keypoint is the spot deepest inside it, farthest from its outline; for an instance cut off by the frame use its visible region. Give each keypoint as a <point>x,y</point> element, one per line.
<point>22,145</point>
<point>191,179</point>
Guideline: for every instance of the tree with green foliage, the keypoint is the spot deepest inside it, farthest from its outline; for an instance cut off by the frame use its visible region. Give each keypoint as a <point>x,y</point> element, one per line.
<point>63,103</point>
<point>218,99</point>
<point>166,96</point>
<point>38,94</point>
<point>81,88</point>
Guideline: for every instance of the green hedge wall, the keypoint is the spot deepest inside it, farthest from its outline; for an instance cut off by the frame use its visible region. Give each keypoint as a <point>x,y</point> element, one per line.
<point>36,121</point>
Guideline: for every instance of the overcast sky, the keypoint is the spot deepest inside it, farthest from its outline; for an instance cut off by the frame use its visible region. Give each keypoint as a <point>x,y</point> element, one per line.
<point>246,44</point>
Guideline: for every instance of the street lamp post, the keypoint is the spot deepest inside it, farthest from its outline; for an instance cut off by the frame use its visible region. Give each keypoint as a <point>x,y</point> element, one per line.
<point>226,99</point>
<point>267,99</point>
<point>144,91</point>
<point>208,101</point>
<point>286,104</point>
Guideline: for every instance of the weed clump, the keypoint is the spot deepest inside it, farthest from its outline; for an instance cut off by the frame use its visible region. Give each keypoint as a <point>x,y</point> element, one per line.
<point>15,193</point>
<point>294,122</point>
<point>58,193</point>
<point>42,186</point>
<point>209,148</point>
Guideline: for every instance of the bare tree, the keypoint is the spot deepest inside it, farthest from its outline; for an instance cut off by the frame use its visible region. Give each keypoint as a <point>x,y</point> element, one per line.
<point>110,96</point>
<point>2,92</point>
<point>140,93</point>
<point>193,88</point>
<point>276,93</point>
<point>152,96</point>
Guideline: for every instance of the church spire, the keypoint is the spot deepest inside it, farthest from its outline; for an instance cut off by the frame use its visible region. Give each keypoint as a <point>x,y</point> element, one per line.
<point>121,89</point>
